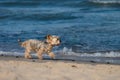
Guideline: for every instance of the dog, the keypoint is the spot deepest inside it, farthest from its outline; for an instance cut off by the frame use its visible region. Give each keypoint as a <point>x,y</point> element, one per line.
<point>40,47</point>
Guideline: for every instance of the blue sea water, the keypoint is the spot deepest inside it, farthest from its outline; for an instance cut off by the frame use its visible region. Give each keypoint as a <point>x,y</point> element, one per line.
<point>88,28</point>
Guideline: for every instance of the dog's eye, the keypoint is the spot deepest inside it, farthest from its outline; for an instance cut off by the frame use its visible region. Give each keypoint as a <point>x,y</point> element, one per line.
<point>58,39</point>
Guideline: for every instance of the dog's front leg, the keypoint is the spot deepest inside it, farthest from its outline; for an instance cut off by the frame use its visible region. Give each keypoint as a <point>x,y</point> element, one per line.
<point>52,55</point>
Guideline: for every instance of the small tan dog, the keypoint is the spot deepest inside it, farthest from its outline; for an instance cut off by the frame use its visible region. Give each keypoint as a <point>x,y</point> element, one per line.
<point>40,47</point>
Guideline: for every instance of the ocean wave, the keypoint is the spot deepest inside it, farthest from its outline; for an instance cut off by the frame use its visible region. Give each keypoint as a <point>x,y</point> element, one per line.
<point>55,3</point>
<point>57,16</point>
<point>24,15</point>
<point>106,1</point>
<point>19,3</point>
<point>70,52</point>
<point>36,3</point>
<point>10,34</point>
<point>5,13</point>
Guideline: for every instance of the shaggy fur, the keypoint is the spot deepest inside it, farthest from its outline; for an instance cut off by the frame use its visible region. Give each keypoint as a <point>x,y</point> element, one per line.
<point>40,47</point>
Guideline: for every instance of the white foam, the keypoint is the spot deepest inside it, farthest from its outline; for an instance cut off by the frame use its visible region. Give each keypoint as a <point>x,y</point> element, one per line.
<point>16,54</point>
<point>66,51</point>
<point>106,1</point>
<point>11,53</point>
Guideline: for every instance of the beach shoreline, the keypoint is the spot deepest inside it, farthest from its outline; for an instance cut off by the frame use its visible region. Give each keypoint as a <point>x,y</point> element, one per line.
<point>19,68</point>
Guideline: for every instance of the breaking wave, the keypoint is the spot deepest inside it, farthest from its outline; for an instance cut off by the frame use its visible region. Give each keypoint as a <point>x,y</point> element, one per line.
<point>70,52</point>
<point>106,1</point>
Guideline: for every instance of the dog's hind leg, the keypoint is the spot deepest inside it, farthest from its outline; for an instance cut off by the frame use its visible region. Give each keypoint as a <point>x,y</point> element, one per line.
<point>39,53</point>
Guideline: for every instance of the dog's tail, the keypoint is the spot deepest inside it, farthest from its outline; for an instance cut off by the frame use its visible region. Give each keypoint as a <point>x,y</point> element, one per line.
<point>22,44</point>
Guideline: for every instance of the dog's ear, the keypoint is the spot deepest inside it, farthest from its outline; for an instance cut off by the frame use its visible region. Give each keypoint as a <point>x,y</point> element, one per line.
<point>48,36</point>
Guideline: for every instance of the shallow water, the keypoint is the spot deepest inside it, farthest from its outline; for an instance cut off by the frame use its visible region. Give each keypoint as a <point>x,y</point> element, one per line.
<point>85,26</point>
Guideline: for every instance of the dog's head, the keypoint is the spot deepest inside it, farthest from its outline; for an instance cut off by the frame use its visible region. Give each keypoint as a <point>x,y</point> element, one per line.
<point>53,40</point>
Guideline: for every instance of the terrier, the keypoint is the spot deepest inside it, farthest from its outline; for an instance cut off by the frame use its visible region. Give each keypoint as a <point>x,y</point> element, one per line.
<point>40,47</point>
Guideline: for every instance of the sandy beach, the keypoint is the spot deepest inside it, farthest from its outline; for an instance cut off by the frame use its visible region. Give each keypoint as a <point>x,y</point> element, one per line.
<point>12,68</point>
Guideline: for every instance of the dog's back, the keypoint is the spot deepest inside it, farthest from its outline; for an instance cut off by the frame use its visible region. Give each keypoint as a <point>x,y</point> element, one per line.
<point>32,43</point>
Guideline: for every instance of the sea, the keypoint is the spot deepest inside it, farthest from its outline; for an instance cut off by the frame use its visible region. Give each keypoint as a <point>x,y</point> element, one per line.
<point>89,29</point>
